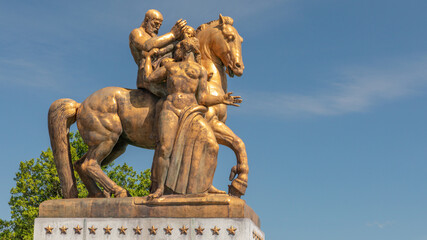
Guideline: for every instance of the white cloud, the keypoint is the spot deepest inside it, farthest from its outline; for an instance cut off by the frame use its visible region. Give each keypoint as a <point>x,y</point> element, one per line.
<point>379,225</point>
<point>22,72</point>
<point>361,89</point>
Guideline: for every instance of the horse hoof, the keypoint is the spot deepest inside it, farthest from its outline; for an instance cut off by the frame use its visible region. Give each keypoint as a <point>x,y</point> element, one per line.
<point>237,188</point>
<point>106,194</point>
<point>122,193</point>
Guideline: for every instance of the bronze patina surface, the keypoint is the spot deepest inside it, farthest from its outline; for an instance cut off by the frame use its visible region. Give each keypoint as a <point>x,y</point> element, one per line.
<point>171,206</point>
<point>179,109</point>
<point>187,149</point>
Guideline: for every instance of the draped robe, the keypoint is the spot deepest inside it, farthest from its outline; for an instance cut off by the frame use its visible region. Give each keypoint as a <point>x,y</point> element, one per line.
<point>194,155</point>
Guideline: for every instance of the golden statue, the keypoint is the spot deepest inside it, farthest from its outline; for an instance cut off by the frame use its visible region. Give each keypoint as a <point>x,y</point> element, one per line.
<point>192,94</point>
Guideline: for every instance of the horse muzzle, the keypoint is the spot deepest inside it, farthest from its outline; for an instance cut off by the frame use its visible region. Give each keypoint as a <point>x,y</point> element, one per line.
<point>237,70</point>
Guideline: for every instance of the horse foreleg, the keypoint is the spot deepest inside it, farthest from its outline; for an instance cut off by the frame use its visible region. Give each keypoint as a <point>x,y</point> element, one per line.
<point>225,136</point>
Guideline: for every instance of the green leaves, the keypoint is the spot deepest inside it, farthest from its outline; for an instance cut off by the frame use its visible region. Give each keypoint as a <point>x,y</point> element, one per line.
<point>37,181</point>
<point>126,177</point>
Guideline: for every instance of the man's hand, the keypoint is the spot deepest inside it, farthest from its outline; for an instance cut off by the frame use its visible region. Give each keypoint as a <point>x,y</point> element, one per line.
<point>178,27</point>
<point>153,51</point>
<point>232,100</point>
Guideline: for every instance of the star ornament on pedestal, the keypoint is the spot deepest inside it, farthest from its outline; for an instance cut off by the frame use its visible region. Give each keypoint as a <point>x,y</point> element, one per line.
<point>183,230</point>
<point>137,230</point>
<point>107,230</point>
<point>92,230</point>
<point>256,236</point>
<point>168,230</point>
<point>231,230</point>
<point>215,230</point>
<point>63,230</point>
<point>77,230</point>
<point>199,230</point>
<point>48,229</point>
<point>122,230</point>
<point>153,230</point>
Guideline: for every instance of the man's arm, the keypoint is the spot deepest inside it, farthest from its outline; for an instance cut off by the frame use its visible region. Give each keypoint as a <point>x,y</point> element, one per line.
<point>137,39</point>
<point>168,38</point>
<point>167,49</point>
<point>159,41</point>
<point>148,66</point>
<point>144,44</point>
<point>153,80</point>
<point>202,94</point>
<point>203,98</point>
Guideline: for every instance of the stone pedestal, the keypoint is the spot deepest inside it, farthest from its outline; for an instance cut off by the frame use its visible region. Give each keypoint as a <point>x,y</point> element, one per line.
<point>172,217</point>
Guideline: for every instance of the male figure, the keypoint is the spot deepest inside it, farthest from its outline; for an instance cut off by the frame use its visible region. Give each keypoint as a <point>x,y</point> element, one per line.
<point>186,91</point>
<point>144,39</point>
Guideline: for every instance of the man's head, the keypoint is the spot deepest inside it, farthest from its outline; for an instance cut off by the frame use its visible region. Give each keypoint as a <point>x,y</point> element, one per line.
<point>188,49</point>
<point>152,21</point>
<point>189,32</point>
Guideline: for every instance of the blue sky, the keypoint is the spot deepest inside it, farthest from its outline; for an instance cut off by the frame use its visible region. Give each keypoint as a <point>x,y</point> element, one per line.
<point>333,116</point>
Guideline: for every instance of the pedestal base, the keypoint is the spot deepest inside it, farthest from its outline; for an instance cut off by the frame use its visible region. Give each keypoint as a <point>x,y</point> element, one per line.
<point>143,228</point>
<point>174,217</point>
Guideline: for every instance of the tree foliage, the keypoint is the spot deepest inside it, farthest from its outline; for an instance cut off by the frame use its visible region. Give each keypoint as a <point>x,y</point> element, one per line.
<point>38,181</point>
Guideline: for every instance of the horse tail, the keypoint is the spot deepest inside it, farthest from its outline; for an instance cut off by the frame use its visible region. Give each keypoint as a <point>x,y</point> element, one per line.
<point>62,113</point>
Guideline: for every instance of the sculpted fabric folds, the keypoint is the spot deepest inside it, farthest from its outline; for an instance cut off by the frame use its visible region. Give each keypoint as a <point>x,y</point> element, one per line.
<point>191,154</point>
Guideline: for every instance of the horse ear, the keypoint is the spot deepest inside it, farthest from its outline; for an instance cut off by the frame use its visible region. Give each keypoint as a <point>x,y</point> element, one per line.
<point>221,19</point>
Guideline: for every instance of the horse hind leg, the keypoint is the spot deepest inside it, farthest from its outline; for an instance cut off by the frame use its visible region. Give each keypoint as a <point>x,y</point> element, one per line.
<point>117,151</point>
<point>92,188</point>
<point>92,167</point>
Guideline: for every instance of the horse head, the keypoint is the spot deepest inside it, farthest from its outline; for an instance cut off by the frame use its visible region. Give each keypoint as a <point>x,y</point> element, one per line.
<point>219,40</point>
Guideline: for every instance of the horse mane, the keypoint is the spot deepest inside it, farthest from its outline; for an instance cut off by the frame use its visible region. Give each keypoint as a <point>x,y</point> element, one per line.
<point>228,20</point>
<point>204,48</point>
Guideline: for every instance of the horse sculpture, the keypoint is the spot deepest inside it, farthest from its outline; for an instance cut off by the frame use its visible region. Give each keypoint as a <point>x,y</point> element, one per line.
<point>114,117</point>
